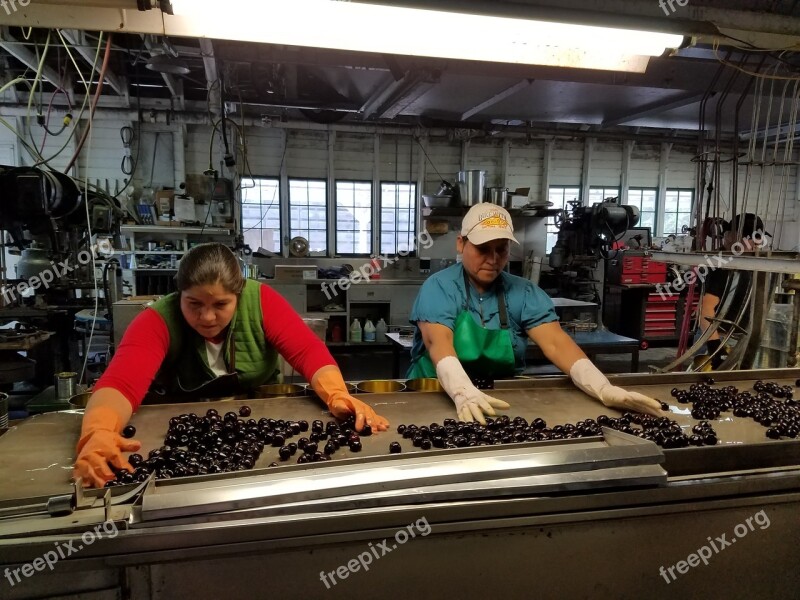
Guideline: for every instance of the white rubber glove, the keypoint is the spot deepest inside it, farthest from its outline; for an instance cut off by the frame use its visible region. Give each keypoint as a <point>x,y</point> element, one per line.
<point>589,379</point>
<point>471,403</point>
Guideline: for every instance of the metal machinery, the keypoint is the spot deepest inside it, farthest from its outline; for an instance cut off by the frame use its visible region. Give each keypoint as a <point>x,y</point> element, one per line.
<point>586,234</point>
<point>757,181</point>
<point>61,230</point>
<point>601,517</point>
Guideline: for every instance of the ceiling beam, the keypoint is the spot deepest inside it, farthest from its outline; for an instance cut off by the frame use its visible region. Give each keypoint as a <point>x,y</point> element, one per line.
<point>26,57</point>
<point>78,40</point>
<point>510,91</point>
<point>654,108</point>
<point>380,95</point>
<point>409,89</point>
<point>174,84</point>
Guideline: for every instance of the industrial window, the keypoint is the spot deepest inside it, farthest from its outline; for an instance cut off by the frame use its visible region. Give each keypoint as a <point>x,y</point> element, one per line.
<point>677,210</point>
<point>308,213</point>
<point>398,217</point>
<point>353,217</point>
<point>559,195</point>
<point>645,200</point>
<point>598,194</point>
<point>261,213</point>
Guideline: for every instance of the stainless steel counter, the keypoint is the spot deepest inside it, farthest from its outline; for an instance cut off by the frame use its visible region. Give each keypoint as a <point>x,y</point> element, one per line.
<point>588,518</point>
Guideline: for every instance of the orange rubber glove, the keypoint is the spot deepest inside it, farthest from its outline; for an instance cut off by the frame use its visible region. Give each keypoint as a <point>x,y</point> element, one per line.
<point>330,386</point>
<point>101,444</point>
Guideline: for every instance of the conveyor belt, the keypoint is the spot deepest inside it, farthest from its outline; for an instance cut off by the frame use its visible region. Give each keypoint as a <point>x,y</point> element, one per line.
<point>37,454</point>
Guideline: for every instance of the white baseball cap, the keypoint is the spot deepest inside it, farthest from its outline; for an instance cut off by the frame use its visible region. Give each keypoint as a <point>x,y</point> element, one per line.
<point>486,222</point>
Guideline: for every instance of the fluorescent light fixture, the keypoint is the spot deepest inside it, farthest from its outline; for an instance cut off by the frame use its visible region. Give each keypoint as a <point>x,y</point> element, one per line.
<point>414,32</point>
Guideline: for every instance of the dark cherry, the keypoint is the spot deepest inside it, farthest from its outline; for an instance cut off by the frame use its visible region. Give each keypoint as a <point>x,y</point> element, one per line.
<point>367,430</point>
<point>310,448</point>
<point>244,411</point>
<point>135,460</point>
<point>284,453</point>
<point>129,431</point>
<point>355,446</point>
<point>425,445</point>
<point>330,448</point>
<point>278,441</point>
<point>773,433</point>
<point>303,425</point>
<point>292,447</point>
<point>395,448</point>
<point>303,458</point>
<point>401,428</point>
<point>273,464</point>
<point>231,417</point>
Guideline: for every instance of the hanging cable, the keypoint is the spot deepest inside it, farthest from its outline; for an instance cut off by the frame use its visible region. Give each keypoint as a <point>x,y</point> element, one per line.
<point>93,106</point>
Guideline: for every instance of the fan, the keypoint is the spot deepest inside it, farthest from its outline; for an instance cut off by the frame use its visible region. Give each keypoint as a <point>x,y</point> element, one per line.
<point>298,246</point>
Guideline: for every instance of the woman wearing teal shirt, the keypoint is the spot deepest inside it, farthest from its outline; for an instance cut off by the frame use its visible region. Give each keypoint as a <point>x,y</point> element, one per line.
<point>475,320</point>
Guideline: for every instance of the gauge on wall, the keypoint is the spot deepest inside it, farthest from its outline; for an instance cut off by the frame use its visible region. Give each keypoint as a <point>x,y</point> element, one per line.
<point>298,246</point>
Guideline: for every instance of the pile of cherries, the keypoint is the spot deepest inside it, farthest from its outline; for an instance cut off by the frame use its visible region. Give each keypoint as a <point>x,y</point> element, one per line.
<point>772,405</point>
<point>505,430</point>
<point>217,443</point>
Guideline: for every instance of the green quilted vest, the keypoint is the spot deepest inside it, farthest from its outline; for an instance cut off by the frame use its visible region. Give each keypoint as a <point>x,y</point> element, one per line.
<point>185,367</point>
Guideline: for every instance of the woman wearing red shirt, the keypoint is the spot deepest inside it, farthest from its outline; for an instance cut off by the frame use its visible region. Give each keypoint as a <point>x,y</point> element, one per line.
<point>219,334</point>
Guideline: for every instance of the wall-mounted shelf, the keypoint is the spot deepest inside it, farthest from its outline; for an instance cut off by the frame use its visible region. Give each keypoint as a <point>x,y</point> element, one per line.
<point>173,230</point>
<point>460,211</point>
<point>151,252</point>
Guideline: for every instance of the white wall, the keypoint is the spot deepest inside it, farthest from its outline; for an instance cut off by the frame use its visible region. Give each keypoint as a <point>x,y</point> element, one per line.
<point>184,152</point>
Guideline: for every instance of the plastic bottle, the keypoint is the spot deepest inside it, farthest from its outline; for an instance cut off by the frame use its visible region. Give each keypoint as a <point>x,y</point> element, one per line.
<point>369,331</point>
<point>380,331</point>
<point>355,331</point>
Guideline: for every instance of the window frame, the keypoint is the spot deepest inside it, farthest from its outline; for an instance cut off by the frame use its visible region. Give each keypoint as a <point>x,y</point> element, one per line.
<point>692,191</point>
<point>415,202</point>
<point>291,235</point>
<point>281,224</point>
<point>336,217</point>
<point>655,228</point>
<point>551,221</point>
<point>605,195</point>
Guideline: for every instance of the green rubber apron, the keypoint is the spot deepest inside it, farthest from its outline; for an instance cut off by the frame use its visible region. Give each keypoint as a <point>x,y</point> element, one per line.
<point>483,352</point>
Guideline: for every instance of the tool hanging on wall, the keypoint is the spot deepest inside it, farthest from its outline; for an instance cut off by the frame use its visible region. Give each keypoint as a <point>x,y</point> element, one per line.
<point>126,134</point>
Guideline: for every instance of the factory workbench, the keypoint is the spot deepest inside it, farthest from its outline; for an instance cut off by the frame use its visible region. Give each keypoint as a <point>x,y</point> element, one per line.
<point>607,517</point>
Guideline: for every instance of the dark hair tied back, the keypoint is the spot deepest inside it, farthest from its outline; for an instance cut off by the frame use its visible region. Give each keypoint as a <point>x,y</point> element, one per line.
<point>210,264</point>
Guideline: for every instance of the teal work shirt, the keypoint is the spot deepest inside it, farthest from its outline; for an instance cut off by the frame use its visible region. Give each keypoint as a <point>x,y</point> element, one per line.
<point>443,296</point>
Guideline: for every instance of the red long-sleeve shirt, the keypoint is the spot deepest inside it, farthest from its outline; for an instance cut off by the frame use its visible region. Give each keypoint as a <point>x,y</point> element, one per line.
<point>146,341</point>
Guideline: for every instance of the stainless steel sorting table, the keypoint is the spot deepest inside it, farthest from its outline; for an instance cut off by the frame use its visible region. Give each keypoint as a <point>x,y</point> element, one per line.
<point>590,517</point>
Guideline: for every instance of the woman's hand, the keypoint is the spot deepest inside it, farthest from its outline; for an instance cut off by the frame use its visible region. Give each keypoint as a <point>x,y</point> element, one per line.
<point>589,378</point>
<point>344,405</point>
<point>96,450</point>
<point>330,386</point>
<point>100,443</point>
<point>622,399</point>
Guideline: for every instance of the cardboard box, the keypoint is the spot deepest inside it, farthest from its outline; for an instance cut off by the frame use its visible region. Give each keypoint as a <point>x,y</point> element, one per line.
<point>164,202</point>
<point>295,272</point>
